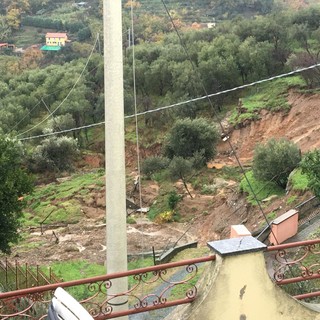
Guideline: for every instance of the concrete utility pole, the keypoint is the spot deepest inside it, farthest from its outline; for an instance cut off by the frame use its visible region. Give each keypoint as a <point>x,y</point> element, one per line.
<point>115,149</point>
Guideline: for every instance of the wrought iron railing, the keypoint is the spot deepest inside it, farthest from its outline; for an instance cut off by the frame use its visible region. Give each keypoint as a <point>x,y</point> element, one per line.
<point>296,267</point>
<point>92,293</point>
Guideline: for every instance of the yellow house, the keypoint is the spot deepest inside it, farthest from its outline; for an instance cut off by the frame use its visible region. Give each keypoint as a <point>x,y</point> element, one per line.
<point>56,39</point>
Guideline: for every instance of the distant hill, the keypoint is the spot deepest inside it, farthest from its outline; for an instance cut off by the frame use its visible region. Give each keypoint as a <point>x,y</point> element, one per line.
<point>206,10</point>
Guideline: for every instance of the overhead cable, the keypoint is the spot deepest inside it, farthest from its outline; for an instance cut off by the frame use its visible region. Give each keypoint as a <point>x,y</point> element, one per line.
<point>178,104</point>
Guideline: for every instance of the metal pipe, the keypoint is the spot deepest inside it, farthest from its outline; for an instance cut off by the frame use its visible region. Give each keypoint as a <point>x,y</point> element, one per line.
<point>307,295</point>
<point>293,245</point>
<point>297,279</point>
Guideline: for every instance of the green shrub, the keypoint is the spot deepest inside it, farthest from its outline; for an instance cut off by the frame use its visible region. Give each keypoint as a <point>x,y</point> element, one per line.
<point>275,160</point>
<point>191,138</point>
<point>153,213</point>
<point>54,154</point>
<point>291,200</point>
<point>208,189</point>
<point>298,180</point>
<point>154,164</point>
<point>231,173</point>
<point>310,165</point>
<point>131,220</point>
<point>173,199</point>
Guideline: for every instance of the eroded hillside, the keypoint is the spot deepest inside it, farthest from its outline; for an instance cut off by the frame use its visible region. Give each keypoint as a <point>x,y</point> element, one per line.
<point>206,217</point>
<point>300,125</point>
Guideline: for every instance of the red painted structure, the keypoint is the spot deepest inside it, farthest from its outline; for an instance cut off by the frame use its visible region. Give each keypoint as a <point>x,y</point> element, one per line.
<point>5,45</point>
<point>284,227</point>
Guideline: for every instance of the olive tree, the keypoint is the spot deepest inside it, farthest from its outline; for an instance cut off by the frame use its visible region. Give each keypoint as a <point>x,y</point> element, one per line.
<point>181,168</point>
<point>190,137</point>
<point>152,165</point>
<point>275,160</point>
<point>54,154</point>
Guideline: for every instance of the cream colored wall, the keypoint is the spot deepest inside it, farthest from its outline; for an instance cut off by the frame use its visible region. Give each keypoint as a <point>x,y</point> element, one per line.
<point>238,231</point>
<point>239,288</point>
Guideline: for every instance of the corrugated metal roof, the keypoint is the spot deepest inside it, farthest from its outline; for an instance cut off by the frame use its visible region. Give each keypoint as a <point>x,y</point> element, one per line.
<point>50,48</point>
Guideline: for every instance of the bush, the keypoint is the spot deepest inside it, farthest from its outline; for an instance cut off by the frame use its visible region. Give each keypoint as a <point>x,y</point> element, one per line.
<point>167,216</point>
<point>275,160</point>
<point>154,164</point>
<point>54,154</point>
<point>188,138</point>
<point>59,123</point>
<point>208,189</point>
<point>131,220</point>
<point>298,181</point>
<point>173,199</point>
<point>84,34</point>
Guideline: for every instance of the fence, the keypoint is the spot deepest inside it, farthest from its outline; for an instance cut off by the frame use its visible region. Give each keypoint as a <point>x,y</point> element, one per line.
<point>293,266</point>
<point>296,267</point>
<point>150,289</point>
<point>15,277</point>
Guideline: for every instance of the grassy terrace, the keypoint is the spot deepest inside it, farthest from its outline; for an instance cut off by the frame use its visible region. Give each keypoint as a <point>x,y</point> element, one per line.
<point>270,96</point>
<point>60,202</point>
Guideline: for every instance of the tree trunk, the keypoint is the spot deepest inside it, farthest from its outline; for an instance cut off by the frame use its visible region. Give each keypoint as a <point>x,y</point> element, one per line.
<point>185,185</point>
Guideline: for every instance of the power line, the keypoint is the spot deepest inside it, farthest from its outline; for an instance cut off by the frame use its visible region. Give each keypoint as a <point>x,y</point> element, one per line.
<point>227,90</point>
<point>178,104</point>
<point>62,131</point>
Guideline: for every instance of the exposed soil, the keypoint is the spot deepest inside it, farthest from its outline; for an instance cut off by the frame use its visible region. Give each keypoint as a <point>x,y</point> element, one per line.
<point>208,217</point>
<point>300,125</point>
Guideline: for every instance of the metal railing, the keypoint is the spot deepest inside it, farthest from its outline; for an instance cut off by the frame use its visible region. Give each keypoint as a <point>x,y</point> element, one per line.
<point>296,267</point>
<point>14,276</point>
<point>92,293</point>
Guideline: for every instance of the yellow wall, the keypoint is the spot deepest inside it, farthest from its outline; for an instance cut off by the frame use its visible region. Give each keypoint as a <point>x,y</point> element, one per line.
<point>239,288</point>
<point>56,41</point>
